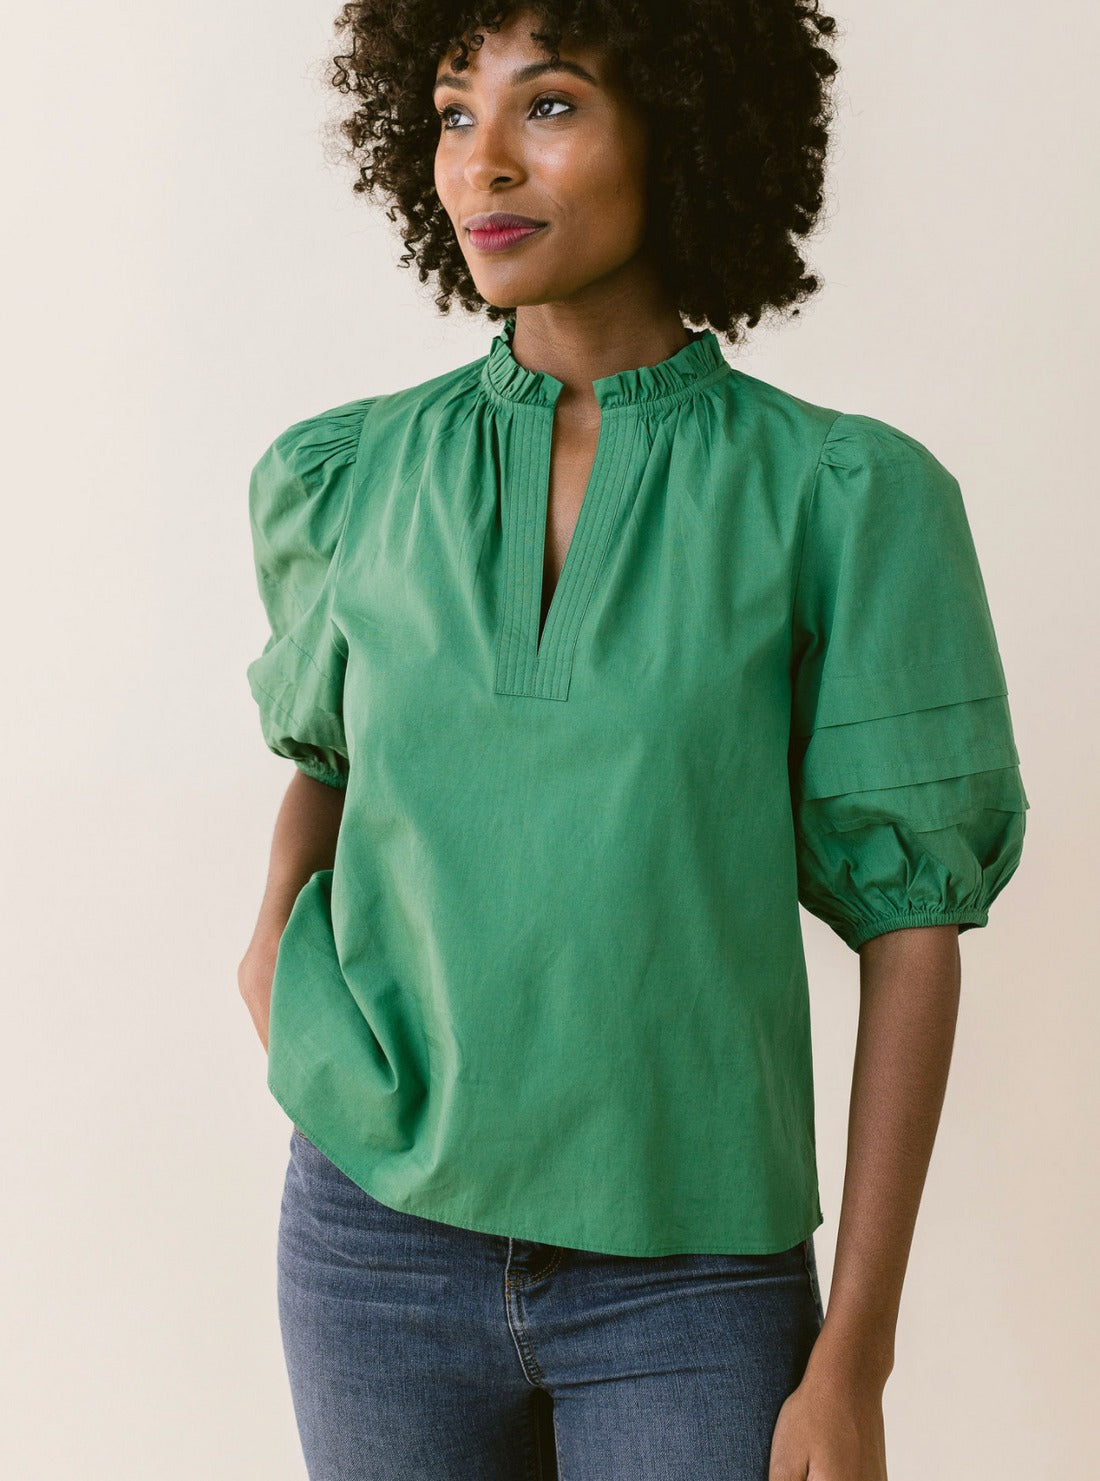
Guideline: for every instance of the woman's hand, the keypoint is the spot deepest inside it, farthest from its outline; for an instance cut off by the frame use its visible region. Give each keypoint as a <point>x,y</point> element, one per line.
<point>830,1429</point>
<point>254,978</point>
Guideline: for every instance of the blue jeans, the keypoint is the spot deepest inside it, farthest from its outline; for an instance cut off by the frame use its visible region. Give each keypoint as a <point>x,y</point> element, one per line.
<point>418,1351</point>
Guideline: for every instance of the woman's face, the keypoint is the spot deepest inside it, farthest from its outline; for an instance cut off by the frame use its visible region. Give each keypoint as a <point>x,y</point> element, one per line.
<point>565,148</point>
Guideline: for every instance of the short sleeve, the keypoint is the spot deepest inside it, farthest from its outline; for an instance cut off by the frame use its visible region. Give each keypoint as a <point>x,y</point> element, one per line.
<point>299,495</point>
<point>906,792</point>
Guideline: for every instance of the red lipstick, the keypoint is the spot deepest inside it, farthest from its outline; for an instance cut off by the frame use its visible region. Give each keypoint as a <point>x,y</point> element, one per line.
<point>497,230</point>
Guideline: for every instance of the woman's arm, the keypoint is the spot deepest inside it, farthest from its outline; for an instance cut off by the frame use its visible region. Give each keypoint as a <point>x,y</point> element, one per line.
<point>831,1426</point>
<point>909,1001</point>
<point>304,841</point>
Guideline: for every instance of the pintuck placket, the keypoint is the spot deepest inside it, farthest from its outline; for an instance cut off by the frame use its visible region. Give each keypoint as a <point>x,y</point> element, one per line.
<point>631,403</point>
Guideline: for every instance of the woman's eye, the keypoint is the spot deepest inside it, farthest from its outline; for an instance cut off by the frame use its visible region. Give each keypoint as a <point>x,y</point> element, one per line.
<point>445,113</point>
<point>540,101</point>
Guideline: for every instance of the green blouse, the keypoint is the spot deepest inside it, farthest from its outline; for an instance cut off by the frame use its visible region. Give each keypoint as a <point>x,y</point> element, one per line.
<point>554,985</point>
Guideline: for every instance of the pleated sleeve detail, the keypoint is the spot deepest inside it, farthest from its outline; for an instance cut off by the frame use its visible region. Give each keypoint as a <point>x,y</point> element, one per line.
<point>299,494</point>
<point>906,792</point>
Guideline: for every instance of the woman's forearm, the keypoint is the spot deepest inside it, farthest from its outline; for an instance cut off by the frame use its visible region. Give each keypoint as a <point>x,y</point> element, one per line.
<point>304,841</point>
<point>306,829</point>
<point>909,998</point>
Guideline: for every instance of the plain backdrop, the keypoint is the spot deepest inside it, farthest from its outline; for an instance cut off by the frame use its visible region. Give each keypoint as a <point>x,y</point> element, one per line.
<point>187,271</point>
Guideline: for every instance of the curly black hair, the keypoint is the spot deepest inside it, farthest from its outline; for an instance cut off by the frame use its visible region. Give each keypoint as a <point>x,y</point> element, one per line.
<point>736,93</point>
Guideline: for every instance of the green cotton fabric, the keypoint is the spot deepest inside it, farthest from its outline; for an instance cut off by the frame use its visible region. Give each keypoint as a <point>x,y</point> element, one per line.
<point>554,985</point>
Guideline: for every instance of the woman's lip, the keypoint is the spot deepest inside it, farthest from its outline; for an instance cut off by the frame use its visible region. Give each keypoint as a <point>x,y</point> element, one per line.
<point>497,239</point>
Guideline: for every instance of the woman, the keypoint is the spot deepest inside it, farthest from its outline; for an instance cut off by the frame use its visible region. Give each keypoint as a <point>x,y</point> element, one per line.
<point>596,656</point>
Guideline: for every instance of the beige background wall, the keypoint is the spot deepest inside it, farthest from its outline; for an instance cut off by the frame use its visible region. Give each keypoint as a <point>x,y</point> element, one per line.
<point>186,274</point>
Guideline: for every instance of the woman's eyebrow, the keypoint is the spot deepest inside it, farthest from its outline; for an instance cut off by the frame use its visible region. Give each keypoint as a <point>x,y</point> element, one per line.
<point>522,74</point>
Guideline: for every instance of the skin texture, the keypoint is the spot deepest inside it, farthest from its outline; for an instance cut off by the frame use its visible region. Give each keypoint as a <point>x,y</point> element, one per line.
<point>589,301</point>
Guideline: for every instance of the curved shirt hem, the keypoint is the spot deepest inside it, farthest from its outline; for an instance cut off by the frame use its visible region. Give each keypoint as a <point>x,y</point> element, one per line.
<point>438,1214</point>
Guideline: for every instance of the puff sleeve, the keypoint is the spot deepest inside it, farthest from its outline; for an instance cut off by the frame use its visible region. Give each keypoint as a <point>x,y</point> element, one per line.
<point>906,794</point>
<point>299,494</point>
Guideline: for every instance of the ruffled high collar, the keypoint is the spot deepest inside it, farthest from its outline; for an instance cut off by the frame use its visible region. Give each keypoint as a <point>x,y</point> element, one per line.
<point>695,365</point>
